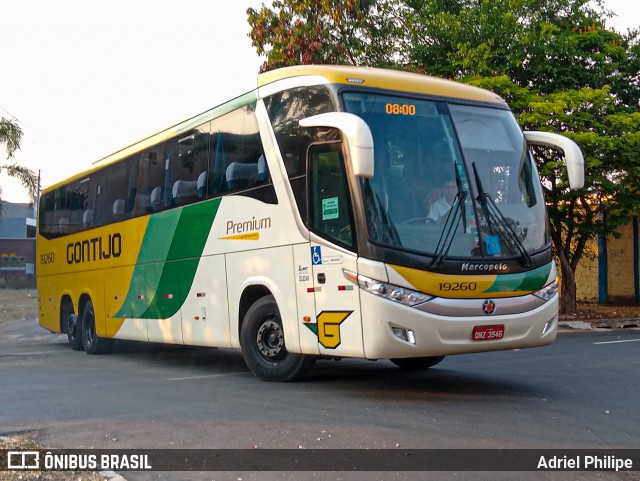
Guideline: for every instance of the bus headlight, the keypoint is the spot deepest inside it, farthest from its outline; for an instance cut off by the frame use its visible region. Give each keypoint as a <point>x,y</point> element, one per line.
<point>405,296</point>
<point>548,291</point>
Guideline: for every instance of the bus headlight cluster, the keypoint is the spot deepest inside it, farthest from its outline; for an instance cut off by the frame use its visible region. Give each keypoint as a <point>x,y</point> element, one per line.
<point>548,291</point>
<point>392,292</point>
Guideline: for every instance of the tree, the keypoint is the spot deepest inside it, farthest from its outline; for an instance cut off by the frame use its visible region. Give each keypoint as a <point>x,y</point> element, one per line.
<point>355,32</point>
<point>10,136</point>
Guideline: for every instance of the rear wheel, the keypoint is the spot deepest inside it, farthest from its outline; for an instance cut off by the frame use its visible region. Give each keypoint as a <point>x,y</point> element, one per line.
<point>91,342</point>
<point>74,334</point>
<point>417,363</point>
<point>71,325</point>
<point>263,344</point>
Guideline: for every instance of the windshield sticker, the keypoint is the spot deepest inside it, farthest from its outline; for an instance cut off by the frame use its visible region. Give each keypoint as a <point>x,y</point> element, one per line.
<point>492,245</point>
<point>330,208</point>
<point>332,260</point>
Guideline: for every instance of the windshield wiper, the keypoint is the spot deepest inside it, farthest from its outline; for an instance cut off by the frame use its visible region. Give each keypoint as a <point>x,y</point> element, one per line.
<point>495,218</point>
<point>459,212</point>
<point>456,212</point>
<point>377,212</point>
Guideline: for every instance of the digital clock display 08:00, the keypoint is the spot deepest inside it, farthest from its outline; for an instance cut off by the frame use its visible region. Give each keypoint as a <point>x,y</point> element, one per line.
<point>400,109</point>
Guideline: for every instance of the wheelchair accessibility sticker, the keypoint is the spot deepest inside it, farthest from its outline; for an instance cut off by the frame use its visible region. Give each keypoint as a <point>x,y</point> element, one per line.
<point>316,255</point>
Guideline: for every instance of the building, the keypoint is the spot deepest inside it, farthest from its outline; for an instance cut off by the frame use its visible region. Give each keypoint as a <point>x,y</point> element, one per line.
<point>17,245</point>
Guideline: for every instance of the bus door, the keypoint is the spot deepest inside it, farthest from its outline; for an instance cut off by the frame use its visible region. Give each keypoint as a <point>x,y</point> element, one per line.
<point>337,320</point>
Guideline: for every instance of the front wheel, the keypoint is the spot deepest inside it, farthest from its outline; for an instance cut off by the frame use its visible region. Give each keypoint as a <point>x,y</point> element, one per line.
<point>417,363</point>
<point>263,344</point>
<point>91,342</point>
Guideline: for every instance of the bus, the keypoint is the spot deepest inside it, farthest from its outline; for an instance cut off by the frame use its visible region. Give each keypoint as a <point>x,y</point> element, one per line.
<point>331,212</point>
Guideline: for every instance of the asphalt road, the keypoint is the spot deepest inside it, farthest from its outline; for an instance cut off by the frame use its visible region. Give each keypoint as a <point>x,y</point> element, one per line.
<point>580,392</point>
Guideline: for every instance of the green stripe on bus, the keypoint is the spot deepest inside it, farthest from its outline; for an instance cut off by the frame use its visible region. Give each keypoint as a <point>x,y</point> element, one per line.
<point>523,281</point>
<point>168,260</point>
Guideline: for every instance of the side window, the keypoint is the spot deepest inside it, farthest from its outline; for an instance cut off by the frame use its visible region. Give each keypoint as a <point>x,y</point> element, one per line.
<point>237,158</point>
<point>285,111</point>
<point>187,165</point>
<point>113,193</point>
<point>87,201</point>
<point>330,208</point>
<point>68,209</point>
<point>46,212</point>
<point>149,182</point>
<point>61,211</point>
<point>70,203</point>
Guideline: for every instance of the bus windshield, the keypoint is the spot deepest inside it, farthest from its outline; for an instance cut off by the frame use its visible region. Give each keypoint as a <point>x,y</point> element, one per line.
<point>451,180</point>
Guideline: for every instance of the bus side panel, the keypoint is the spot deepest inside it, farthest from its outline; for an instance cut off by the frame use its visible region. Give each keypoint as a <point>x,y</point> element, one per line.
<point>116,286</point>
<point>272,268</point>
<point>164,321</point>
<point>205,312</point>
<point>306,298</point>
<point>338,319</point>
<point>48,304</point>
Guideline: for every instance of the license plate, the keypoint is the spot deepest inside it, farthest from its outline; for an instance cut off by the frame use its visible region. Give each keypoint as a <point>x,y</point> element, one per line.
<point>487,333</point>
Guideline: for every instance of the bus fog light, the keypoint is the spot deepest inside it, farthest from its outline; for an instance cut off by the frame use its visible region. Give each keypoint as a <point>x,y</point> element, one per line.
<point>406,335</point>
<point>411,336</point>
<point>547,327</point>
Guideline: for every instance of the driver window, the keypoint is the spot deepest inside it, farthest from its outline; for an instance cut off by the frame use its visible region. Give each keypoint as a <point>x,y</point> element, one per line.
<point>330,209</point>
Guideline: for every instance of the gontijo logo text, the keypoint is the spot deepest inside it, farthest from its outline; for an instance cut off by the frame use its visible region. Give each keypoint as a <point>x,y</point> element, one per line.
<point>94,249</point>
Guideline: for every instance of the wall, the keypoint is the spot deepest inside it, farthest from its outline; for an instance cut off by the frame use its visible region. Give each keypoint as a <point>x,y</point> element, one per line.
<point>619,281</point>
<point>17,266</point>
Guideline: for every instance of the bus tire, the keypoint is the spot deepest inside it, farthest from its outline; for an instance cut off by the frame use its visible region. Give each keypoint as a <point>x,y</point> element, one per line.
<point>74,334</point>
<point>90,341</point>
<point>70,324</point>
<point>263,344</point>
<point>417,363</point>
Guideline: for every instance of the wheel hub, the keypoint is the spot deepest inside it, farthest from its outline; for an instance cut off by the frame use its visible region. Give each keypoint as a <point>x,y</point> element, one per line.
<point>270,339</point>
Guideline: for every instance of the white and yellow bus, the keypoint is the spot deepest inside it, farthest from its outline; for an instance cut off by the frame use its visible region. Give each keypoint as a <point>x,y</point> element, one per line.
<point>331,212</point>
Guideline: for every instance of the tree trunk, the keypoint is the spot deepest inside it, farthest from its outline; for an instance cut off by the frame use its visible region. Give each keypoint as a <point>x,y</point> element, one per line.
<point>568,303</point>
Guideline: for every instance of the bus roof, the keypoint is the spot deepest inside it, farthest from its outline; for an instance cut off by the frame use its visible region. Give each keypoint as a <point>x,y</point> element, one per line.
<point>385,79</point>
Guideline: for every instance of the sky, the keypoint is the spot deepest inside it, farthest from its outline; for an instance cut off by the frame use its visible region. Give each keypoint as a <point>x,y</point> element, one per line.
<point>84,79</point>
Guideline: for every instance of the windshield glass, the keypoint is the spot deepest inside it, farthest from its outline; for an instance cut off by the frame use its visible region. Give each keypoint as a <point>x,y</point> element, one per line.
<point>452,180</point>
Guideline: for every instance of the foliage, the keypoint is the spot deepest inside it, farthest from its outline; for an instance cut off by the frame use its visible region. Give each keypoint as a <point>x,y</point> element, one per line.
<point>355,32</point>
<point>10,136</point>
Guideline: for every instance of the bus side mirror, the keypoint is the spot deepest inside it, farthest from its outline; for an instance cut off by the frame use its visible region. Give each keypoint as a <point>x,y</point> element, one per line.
<point>357,133</point>
<point>572,154</point>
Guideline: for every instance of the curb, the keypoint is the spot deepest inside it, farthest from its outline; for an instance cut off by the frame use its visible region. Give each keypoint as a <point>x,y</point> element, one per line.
<point>589,324</point>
